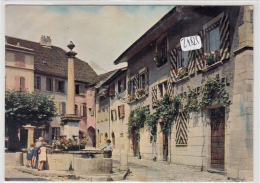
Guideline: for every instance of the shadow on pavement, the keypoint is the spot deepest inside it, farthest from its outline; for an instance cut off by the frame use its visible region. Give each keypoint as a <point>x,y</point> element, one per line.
<point>26,179</point>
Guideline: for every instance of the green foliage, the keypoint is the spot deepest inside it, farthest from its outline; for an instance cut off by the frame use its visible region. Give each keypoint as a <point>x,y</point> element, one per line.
<point>192,101</point>
<point>137,120</point>
<point>22,108</point>
<point>166,111</point>
<point>214,89</point>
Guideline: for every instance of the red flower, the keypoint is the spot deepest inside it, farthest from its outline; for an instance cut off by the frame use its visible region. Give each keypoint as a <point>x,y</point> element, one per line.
<point>216,51</point>
<point>133,94</point>
<point>206,58</point>
<point>76,139</point>
<point>63,137</point>
<point>160,95</point>
<point>186,67</point>
<point>175,71</point>
<point>206,51</point>
<point>200,58</point>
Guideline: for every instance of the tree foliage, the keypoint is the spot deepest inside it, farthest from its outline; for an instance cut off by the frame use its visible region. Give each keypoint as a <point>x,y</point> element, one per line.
<point>23,107</point>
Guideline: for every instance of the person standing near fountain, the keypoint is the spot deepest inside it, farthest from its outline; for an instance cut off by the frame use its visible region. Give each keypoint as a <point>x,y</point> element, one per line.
<point>108,148</point>
<point>42,156</point>
<point>38,145</point>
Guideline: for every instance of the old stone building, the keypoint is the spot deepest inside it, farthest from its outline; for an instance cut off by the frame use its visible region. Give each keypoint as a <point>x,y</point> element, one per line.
<point>208,131</point>
<point>112,109</point>
<point>47,73</point>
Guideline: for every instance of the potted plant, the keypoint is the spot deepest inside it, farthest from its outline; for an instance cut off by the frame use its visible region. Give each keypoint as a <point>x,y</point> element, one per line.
<point>131,97</point>
<point>141,91</point>
<point>210,57</point>
<point>182,72</point>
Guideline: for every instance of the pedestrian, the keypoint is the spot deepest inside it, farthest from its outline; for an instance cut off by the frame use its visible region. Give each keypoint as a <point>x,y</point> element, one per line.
<point>108,148</point>
<point>29,155</point>
<point>42,156</point>
<point>38,145</point>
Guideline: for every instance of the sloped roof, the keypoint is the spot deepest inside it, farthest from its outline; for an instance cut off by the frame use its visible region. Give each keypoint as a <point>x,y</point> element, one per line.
<point>54,62</point>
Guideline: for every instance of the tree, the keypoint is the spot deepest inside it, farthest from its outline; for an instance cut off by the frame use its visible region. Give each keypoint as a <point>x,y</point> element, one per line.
<point>24,108</point>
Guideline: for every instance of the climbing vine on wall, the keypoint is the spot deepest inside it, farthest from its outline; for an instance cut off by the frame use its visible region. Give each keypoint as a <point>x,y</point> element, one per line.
<point>214,90</point>
<point>137,120</point>
<point>166,110</point>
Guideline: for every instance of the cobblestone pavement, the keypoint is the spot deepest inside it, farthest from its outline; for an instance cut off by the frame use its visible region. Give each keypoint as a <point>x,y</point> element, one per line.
<point>147,170</point>
<point>140,170</point>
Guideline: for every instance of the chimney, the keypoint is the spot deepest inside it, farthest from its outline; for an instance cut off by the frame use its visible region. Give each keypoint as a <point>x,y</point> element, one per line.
<point>45,41</point>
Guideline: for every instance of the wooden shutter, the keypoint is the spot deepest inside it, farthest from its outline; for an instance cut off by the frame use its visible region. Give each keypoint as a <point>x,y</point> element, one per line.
<point>17,59</point>
<point>154,96</point>
<point>81,110</point>
<point>63,107</point>
<point>224,37</point>
<point>22,83</point>
<point>146,82</point>
<point>115,114</point>
<point>112,89</point>
<point>174,63</point>
<point>124,82</point>
<point>56,85</point>
<point>122,111</point>
<point>181,129</point>
<point>60,108</point>
<point>191,66</point>
<point>81,89</point>
<point>22,60</point>
<point>136,84</point>
<point>170,89</point>
<point>129,87</point>
<point>17,82</point>
<point>199,53</point>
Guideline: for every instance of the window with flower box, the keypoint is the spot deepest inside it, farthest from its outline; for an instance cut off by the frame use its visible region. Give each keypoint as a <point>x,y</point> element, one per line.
<point>217,41</point>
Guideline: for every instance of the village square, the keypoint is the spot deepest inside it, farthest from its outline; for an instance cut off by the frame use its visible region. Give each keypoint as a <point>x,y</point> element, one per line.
<point>177,104</point>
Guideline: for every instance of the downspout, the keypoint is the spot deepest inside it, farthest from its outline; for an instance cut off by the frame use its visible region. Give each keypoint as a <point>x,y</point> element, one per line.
<point>109,116</point>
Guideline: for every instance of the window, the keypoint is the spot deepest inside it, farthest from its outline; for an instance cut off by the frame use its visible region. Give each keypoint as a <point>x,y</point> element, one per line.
<point>59,86</point>
<point>161,51</point>
<point>55,133</point>
<point>91,111</point>
<point>162,87</point>
<point>76,109</point>
<point>121,85</point>
<point>121,111</point>
<point>112,89</point>
<point>132,87</point>
<point>37,82</point>
<point>142,81</point>
<point>22,83</point>
<point>49,84</point>
<point>19,59</point>
<point>62,108</point>
<point>83,109</point>
<point>79,89</point>
<point>113,114</point>
<point>184,56</point>
<point>213,37</point>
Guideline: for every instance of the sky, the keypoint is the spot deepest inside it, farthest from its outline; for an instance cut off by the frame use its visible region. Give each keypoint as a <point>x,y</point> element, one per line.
<point>100,33</point>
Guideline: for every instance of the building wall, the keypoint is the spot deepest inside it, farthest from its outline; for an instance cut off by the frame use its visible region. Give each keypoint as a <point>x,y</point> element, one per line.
<point>237,76</point>
<point>118,126</point>
<point>12,71</point>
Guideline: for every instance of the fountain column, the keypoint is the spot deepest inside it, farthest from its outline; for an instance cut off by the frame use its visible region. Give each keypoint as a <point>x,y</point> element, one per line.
<point>70,120</point>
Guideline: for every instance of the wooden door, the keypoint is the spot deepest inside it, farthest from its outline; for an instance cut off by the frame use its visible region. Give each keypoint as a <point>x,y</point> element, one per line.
<point>165,146</point>
<point>135,143</point>
<point>218,138</point>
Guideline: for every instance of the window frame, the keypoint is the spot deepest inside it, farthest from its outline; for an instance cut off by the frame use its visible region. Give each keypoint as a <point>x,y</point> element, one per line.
<point>37,82</point>
<point>51,84</point>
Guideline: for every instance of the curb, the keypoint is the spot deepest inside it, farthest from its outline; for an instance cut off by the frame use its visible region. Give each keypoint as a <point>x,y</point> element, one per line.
<point>117,176</point>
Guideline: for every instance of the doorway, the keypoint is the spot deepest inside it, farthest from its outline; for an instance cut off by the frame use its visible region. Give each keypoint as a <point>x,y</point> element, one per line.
<point>165,146</point>
<point>135,142</point>
<point>217,138</point>
<point>23,138</point>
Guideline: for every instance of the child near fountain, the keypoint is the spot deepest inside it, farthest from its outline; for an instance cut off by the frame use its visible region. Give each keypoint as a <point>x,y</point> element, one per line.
<point>29,155</point>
